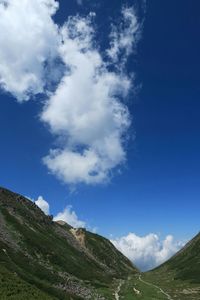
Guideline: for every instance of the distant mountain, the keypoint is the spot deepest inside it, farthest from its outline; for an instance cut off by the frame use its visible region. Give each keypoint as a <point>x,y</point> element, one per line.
<point>180,275</point>
<point>42,259</point>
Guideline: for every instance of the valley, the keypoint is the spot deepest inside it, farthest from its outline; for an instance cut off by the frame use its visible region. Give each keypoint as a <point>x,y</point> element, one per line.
<point>45,260</point>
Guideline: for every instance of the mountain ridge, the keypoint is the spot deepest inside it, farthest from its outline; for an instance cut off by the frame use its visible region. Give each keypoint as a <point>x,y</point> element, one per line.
<point>71,263</point>
<point>42,259</point>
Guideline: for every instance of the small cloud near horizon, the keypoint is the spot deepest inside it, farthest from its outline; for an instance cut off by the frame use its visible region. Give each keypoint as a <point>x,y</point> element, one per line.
<point>43,205</point>
<point>68,215</point>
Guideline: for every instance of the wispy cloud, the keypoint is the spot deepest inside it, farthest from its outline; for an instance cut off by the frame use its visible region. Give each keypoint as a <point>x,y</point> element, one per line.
<point>124,37</point>
<point>80,2</point>
<point>86,111</point>
<point>148,251</point>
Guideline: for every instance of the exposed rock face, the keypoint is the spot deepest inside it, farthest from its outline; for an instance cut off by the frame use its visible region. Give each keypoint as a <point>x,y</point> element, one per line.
<point>60,222</point>
<point>79,235</point>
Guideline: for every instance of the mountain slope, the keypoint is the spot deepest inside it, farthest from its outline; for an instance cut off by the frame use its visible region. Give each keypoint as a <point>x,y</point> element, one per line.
<point>180,275</point>
<point>186,262</point>
<point>42,259</point>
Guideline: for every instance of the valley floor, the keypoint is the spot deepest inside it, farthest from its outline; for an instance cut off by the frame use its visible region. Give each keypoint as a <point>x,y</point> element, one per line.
<point>148,287</point>
<point>177,289</point>
<point>134,288</point>
<point>145,286</point>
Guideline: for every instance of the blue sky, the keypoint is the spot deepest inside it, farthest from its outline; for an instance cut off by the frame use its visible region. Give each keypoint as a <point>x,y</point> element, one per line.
<point>157,189</point>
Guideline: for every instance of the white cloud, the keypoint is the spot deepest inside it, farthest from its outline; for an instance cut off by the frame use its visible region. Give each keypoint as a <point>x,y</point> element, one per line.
<point>28,39</point>
<point>148,251</point>
<point>70,217</point>
<point>86,110</point>
<point>43,205</point>
<point>86,113</point>
<point>124,37</point>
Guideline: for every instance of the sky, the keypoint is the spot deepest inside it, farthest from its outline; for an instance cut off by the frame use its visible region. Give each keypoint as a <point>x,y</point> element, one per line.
<point>99,117</point>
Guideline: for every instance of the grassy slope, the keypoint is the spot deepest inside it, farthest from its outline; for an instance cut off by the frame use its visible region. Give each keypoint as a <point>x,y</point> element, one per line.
<point>180,275</point>
<point>47,261</point>
<point>14,288</point>
<point>40,259</point>
<point>146,292</point>
<point>186,263</point>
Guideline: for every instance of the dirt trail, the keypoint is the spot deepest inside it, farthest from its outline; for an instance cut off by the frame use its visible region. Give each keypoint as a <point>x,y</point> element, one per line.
<point>116,294</point>
<point>157,287</point>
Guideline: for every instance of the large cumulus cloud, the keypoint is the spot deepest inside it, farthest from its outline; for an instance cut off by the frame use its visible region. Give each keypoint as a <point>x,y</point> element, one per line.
<point>147,252</point>
<point>85,110</point>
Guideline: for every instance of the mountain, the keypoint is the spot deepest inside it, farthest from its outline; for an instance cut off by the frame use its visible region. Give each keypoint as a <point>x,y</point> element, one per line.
<point>43,259</point>
<point>180,275</point>
<point>186,263</point>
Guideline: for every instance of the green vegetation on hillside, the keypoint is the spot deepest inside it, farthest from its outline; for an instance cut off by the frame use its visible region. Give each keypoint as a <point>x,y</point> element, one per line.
<point>180,276</point>
<point>42,259</point>
<point>52,259</point>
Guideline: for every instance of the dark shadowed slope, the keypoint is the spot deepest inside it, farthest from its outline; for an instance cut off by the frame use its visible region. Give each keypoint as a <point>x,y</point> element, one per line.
<point>42,259</point>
